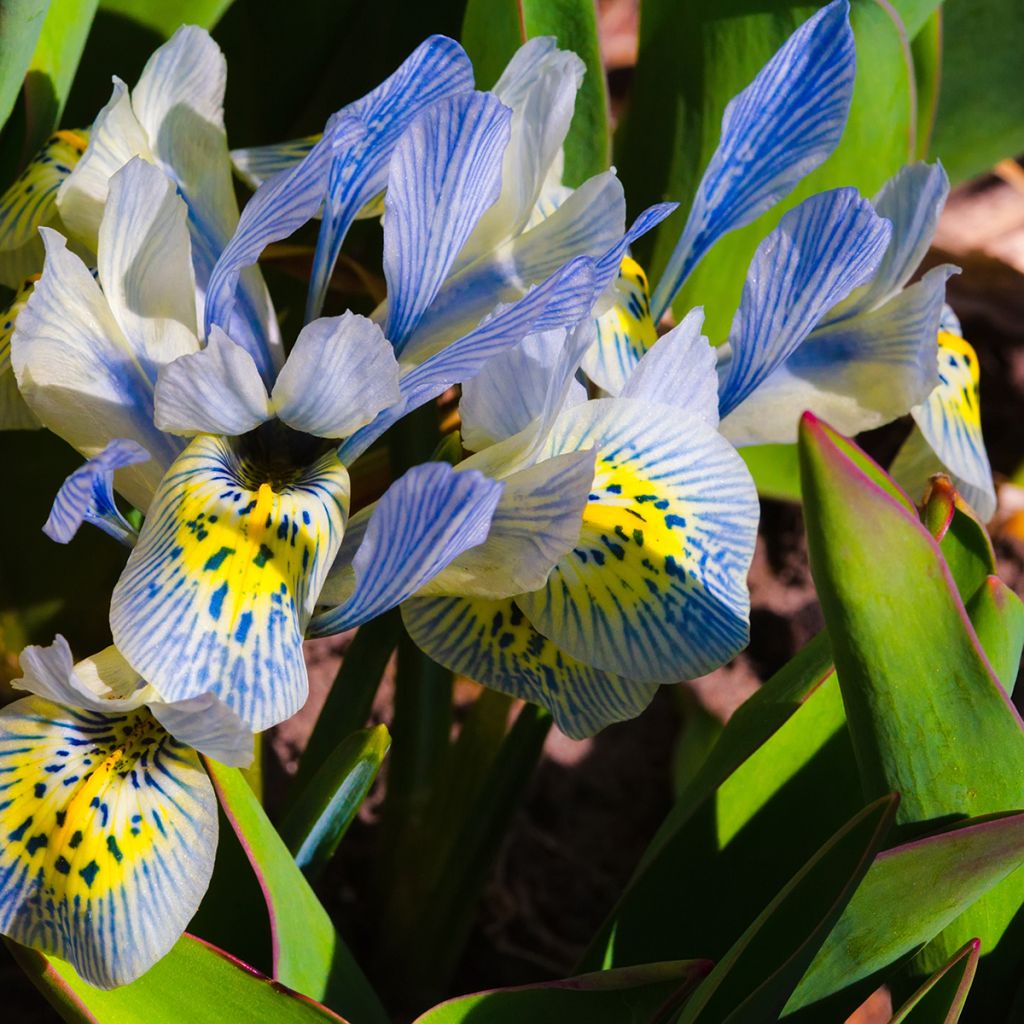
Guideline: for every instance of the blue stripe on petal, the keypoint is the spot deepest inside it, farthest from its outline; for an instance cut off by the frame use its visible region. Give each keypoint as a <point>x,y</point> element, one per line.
<point>561,301</point>
<point>782,126</point>
<point>88,496</point>
<point>424,520</point>
<point>444,174</point>
<point>655,588</point>
<point>436,69</point>
<point>279,207</point>
<point>219,588</point>
<point>495,643</point>
<point>821,250</point>
<point>109,831</point>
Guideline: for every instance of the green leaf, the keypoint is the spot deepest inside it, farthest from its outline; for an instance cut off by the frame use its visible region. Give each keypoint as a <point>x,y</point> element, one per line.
<point>927,716</point>
<point>980,118</point>
<point>492,30</point>
<point>752,982</point>
<point>997,615</point>
<point>693,59</point>
<point>941,999</point>
<point>53,66</point>
<point>317,820</point>
<point>309,956</point>
<point>166,18</point>
<point>195,982</point>
<point>926,49</point>
<point>775,469</point>
<point>632,995</point>
<point>638,929</point>
<point>909,895</point>
<point>21,22</point>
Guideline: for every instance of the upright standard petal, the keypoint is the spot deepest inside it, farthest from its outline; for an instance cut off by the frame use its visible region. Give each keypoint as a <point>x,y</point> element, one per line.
<point>217,593</point>
<point>256,164</point>
<point>110,831</point>
<point>437,68</point>
<point>145,265</point>
<point>679,371</point>
<point>857,373</point>
<point>655,588</point>
<point>624,333</point>
<point>31,203</point>
<point>424,520</point>
<point>279,207</point>
<point>445,172</point>
<point>494,643</point>
<point>341,372</point>
<point>912,200</point>
<point>820,252</point>
<point>115,137</point>
<point>217,390</point>
<point>775,132</point>
<point>87,496</point>
<point>561,301</point>
<point>80,374</point>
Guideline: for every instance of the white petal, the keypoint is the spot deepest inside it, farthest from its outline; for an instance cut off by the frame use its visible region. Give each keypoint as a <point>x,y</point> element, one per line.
<point>210,726</point>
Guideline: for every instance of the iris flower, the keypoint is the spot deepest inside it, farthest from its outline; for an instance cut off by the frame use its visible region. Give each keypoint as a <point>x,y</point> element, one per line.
<point>109,818</point>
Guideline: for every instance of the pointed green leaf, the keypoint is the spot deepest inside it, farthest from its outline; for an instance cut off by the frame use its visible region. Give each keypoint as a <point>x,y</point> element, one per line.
<point>323,811</point>
<point>928,717</point>
<point>492,30</point>
<point>195,982</point>
<point>21,22</point>
<point>165,18</point>
<point>752,982</point>
<point>309,956</point>
<point>910,894</point>
<point>941,999</point>
<point>775,469</point>
<point>964,542</point>
<point>631,995</point>
<point>997,615</point>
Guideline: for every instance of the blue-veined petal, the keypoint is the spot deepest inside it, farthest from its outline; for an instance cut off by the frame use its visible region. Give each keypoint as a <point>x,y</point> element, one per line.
<point>444,173</point>
<point>776,131</point>
<point>950,421</point>
<point>210,726</point>
<point>563,300</point>
<point>217,390</point>
<point>436,69</point>
<point>80,374</point>
<point>424,520</point>
<point>856,373</point>
<point>30,203</point>
<point>145,265</point>
<point>624,333</point>
<point>655,588</point>
<point>114,138</point>
<point>110,831</point>
<point>256,164</point>
<point>279,207</point>
<point>912,200</point>
<point>341,372</point>
<point>589,223</point>
<point>105,682</point>
<point>820,251</point>
<point>679,371</point>
<point>230,560</point>
<point>494,643</point>
<point>536,522</point>
<point>14,411</point>
<point>87,496</point>
<point>512,389</point>
<point>539,85</point>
